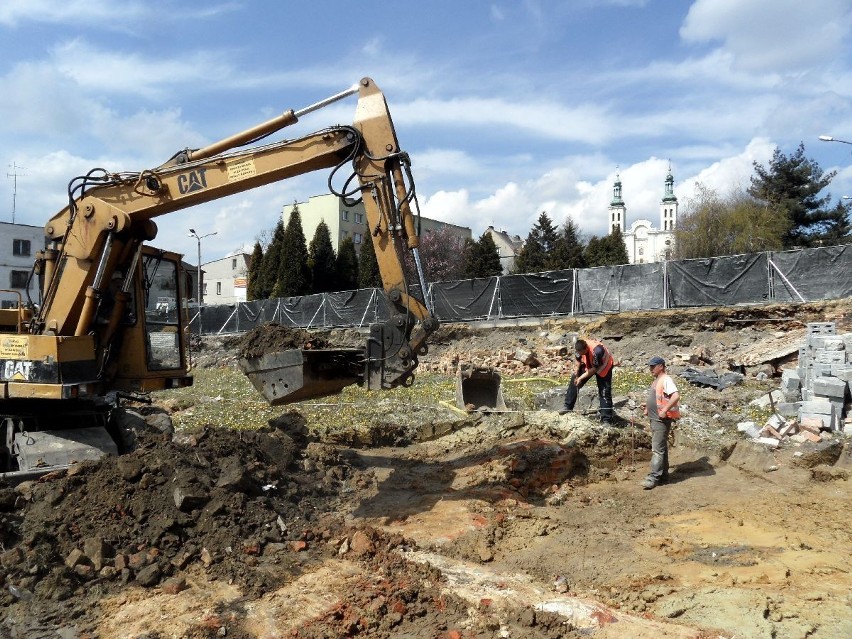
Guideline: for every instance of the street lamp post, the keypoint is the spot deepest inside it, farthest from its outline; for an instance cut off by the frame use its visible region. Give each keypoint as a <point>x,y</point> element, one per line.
<point>198,238</point>
<point>828,138</point>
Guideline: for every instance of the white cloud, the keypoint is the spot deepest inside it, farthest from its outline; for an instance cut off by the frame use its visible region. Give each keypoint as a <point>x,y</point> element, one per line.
<point>733,172</point>
<point>115,16</point>
<point>97,70</point>
<point>544,119</point>
<point>563,193</point>
<point>780,36</point>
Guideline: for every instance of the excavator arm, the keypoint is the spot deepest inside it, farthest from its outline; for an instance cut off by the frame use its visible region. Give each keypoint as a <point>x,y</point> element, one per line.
<point>110,215</point>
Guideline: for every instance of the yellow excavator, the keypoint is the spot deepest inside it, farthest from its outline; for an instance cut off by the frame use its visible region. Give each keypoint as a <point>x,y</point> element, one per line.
<point>102,331</point>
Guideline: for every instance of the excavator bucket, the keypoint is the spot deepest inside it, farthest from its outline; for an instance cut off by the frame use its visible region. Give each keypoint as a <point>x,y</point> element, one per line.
<point>294,375</point>
<point>478,388</point>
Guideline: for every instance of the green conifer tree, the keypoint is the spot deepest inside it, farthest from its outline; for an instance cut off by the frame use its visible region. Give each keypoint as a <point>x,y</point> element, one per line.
<point>568,252</point>
<point>347,266</point>
<point>791,185</point>
<point>534,256</point>
<point>294,277</point>
<point>253,291</point>
<point>271,260</point>
<point>322,261</point>
<point>481,257</point>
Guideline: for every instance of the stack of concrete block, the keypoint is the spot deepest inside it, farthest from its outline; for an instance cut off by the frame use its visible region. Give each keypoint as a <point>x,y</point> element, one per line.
<point>820,385</point>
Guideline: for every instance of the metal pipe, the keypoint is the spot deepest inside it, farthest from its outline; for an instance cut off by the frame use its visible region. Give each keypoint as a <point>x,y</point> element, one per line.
<point>93,293</point>
<point>265,128</point>
<point>330,100</point>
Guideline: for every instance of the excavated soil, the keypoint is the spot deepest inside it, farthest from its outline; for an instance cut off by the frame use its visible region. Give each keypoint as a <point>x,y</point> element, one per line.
<point>270,338</point>
<point>518,524</point>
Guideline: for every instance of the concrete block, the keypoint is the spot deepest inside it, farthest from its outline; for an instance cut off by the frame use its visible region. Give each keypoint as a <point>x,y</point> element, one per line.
<point>749,428</point>
<point>790,380</point>
<point>764,402</point>
<point>819,370</point>
<point>830,387</point>
<point>788,409</point>
<point>833,343</point>
<point>770,442</point>
<point>776,421</point>
<point>842,372</point>
<point>826,356</point>
<point>822,328</point>
<point>820,405</point>
<point>792,397</point>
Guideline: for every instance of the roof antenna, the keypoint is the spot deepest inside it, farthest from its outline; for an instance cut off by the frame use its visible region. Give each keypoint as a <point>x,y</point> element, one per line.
<point>14,175</point>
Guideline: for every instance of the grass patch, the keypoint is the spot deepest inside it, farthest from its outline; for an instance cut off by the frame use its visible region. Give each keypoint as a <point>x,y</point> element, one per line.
<point>225,398</point>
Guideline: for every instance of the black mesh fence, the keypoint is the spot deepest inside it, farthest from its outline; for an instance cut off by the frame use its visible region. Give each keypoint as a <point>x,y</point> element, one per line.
<point>787,276</point>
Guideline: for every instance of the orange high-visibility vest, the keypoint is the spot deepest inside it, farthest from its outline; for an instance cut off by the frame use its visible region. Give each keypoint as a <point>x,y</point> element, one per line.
<point>674,412</point>
<point>588,358</point>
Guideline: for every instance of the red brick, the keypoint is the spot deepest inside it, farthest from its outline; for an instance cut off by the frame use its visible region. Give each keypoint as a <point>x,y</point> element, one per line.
<point>299,546</point>
<point>174,585</point>
<point>812,424</point>
<point>361,544</point>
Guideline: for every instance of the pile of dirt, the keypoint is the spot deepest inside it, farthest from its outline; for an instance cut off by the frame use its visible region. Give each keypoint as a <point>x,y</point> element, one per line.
<point>251,508</point>
<point>271,338</point>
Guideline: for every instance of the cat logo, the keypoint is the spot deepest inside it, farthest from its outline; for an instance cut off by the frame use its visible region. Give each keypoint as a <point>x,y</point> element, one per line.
<point>192,181</point>
<point>17,371</point>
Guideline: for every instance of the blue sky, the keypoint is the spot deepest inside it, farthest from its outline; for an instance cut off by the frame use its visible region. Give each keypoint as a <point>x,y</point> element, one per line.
<point>507,108</point>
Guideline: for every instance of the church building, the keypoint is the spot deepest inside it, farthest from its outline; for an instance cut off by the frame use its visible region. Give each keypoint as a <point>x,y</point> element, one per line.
<point>645,243</point>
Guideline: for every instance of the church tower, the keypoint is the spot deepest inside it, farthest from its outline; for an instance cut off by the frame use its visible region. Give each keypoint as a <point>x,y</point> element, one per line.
<point>617,209</point>
<point>668,205</point>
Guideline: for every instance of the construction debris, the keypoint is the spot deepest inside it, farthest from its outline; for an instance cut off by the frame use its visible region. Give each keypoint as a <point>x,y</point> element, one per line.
<point>813,400</point>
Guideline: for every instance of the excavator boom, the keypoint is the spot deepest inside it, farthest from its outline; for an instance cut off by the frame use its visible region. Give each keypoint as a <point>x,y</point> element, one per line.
<point>100,329</point>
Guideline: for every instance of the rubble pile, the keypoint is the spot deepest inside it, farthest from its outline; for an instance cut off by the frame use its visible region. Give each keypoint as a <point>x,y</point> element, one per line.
<point>813,401</point>
<point>230,503</point>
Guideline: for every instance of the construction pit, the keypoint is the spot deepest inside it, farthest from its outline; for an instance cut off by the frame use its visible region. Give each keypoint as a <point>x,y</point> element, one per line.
<point>398,514</point>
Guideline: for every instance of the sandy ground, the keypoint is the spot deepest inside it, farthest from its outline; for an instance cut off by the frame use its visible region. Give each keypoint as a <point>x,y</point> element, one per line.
<point>525,524</point>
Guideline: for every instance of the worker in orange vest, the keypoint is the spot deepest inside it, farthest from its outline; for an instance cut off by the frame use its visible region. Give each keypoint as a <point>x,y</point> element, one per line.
<point>662,410</point>
<point>593,359</point>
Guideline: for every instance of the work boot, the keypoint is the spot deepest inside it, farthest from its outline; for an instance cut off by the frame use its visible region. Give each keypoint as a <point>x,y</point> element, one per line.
<point>649,483</point>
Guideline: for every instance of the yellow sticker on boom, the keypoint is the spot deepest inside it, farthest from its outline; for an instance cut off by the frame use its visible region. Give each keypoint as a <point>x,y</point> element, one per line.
<point>241,170</point>
<point>13,347</point>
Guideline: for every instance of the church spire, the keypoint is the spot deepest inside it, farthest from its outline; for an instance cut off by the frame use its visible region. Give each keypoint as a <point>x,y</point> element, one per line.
<point>616,190</point>
<point>617,208</point>
<point>669,195</point>
<point>669,204</point>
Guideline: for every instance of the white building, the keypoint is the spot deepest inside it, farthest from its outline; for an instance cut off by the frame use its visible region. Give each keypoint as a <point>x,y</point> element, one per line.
<point>18,246</point>
<point>508,247</point>
<point>345,221</point>
<point>225,281</point>
<point>644,242</point>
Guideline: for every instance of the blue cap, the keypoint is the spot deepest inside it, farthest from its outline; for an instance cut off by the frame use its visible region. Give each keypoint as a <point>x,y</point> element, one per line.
<point>657,361</point>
